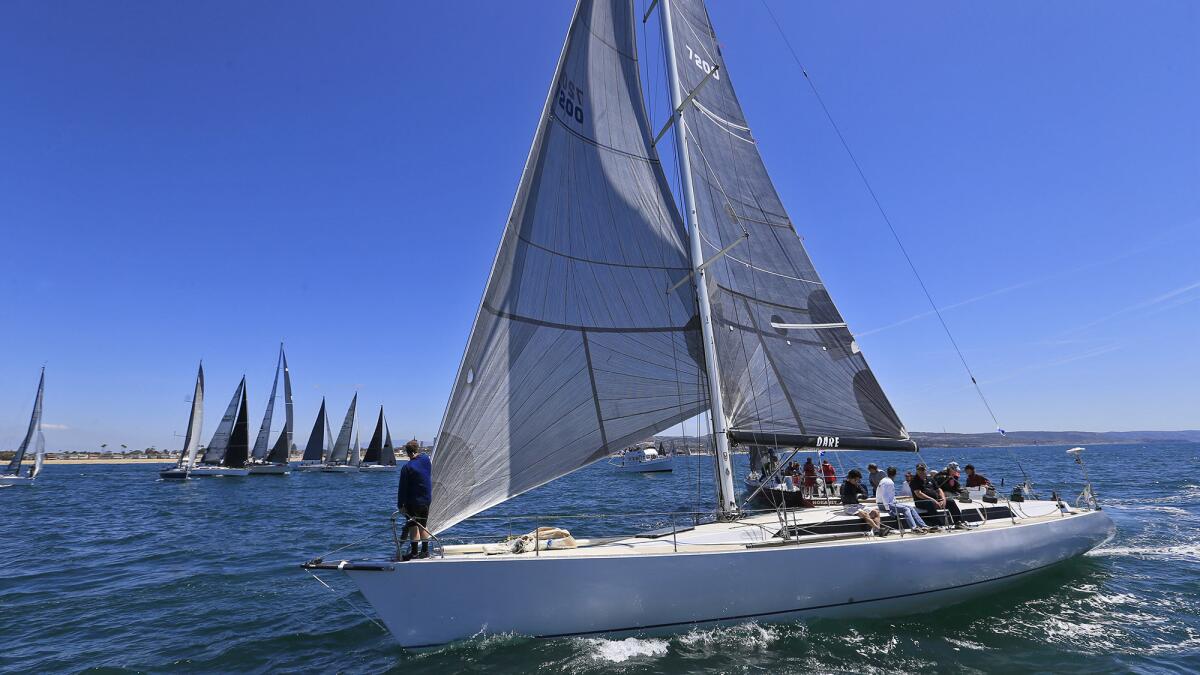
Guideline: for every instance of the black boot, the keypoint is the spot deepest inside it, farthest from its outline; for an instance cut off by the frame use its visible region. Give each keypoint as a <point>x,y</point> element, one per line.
<point>408,555</point>
<point>424,550</point>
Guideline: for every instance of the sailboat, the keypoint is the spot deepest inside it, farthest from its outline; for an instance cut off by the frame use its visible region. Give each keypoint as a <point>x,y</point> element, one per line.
<point>319,443</point>
<point>380,455</point>
<point>274,461</point>
<point>191,440</point>
<point>341,460</point>
<point>33,436</point>
<point>229,449</point>
<point>608,318</point>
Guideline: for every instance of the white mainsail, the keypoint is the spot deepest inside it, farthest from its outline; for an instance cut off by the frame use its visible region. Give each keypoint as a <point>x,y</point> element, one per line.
<point>191,440</point>
<point>577,348</point>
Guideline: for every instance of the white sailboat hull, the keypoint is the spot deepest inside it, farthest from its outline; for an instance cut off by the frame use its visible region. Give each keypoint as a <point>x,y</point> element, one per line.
<point>308,466</point>
<point>268,469</point>
<point>587,591</point>
<point>377,468</point>
<point>217,471</point>
<point>339,468</point>
<point>6,481</point>
<point>650,466</point>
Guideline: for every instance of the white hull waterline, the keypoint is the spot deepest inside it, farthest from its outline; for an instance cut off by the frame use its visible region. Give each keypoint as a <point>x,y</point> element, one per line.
<point>671,583</point>
<point>339,468</point>
<point>377,468</point>
<point>9,481</point>
<point>268,469</point>
<point>200,471</point>
<point>303,466</point>
<point>647,466</point>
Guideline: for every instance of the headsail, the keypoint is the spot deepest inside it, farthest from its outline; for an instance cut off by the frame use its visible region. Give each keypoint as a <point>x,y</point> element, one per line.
<point>39,455</point>
<point>191,440</point>
<point>34,431</point>
<point>239,439</point>
<point>388,456</point>
<point>577,350</point>
<point>315,450</point>
<point>264,432</point>
<point>375,447</point>
<point>341,448</point>
<point>282,450</point>
<point>788,363</point>
<point>215,452</point>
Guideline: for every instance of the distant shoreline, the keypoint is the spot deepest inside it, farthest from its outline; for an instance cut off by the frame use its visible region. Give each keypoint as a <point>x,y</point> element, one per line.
<point>114,460</point>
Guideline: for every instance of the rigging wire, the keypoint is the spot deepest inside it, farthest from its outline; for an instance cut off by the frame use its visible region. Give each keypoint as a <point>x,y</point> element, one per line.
<point>891,228</point>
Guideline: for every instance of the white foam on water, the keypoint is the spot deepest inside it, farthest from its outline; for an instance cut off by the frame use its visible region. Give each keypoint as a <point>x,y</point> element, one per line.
<point>967,644</point>
<point>743,636</point>
<point>619,651</point>
<point>1187,551</point>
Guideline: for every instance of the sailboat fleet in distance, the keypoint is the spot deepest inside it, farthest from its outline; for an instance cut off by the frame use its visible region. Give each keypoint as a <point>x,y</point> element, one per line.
<point>229,452</point>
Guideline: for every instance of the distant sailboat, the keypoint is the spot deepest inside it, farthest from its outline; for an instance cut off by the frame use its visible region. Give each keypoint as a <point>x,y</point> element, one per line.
<point>12,473</point>
<point>275,460</point>
<point>229,448</point>
<point>319,443</point>
<point>191,442</point>
<point>340,459</point>
<point>380,455</point>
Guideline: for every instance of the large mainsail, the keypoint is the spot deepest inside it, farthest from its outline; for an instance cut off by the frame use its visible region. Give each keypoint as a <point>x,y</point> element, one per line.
<point>577,349</point>
<point>314,451</point>
<point>33,433</point>
<point>264,431</point>
<point>195,427</point>
<point>789,368</point>
<point>214,453</point>
<point>341,448</point>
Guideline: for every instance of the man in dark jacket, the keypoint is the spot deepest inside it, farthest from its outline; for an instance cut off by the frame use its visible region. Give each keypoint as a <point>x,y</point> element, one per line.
<point>413,497</point>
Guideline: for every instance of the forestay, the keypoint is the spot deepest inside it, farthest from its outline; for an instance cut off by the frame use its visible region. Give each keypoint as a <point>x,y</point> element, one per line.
<point>788,364</point>
<point>576,350</point>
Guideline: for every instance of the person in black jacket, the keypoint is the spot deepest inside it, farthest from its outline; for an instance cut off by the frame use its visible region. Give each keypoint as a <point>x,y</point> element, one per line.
<point>930,499</point>
<point>413,496</point>
<point>852,491</point>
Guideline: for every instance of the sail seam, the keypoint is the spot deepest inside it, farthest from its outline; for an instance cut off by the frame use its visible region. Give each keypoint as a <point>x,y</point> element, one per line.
<point>587,356</point>
<point>598,144</point>
<point>594,329</point>
<point>591,261</point>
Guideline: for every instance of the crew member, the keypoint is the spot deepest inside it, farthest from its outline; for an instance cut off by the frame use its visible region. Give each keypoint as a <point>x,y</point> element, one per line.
<point>412,499</point>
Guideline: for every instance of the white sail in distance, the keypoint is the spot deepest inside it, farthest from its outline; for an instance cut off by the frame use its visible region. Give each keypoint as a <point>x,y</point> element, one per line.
<point>577,348</point>
<point>195,427</point>
<point>33,433</point>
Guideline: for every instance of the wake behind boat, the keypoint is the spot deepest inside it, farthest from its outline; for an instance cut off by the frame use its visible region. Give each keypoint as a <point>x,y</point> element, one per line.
<point>614,319</point>
<point>33,436</point>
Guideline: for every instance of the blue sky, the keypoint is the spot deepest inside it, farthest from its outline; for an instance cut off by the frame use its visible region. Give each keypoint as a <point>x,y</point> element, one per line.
<point>201,180</point>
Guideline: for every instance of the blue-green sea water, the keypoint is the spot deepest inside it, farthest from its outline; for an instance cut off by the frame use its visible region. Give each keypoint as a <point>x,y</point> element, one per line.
<point>106,568</point>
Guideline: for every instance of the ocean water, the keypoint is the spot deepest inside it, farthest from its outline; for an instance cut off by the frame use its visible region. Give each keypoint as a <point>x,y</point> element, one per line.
<point>105,568</point>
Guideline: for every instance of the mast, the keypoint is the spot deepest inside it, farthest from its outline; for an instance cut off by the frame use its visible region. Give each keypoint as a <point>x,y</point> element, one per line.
<point>726,497</point>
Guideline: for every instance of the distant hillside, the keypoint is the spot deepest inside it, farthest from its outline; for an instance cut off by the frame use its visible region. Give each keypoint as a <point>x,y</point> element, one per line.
<point>929,439</point>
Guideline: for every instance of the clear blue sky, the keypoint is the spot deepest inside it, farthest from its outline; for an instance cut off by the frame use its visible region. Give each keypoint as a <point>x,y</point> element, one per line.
<point>187,180</point>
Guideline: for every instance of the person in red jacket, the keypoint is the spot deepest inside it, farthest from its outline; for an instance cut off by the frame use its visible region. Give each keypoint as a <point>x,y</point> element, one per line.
<point>975,479</point>
<point>830,476</point>
<point>810,478</point>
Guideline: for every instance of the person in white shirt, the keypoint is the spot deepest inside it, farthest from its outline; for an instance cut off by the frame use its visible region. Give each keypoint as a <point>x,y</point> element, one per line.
<point>885,496</point>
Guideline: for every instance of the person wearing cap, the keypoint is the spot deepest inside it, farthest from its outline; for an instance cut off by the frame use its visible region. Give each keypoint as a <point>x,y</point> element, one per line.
<point>930,499</point>
<point>874,475</point>
<point>948,481</point>
<point>413,496</point>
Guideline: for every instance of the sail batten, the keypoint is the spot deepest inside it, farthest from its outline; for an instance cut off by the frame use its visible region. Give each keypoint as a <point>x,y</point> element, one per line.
<point>576,350</point>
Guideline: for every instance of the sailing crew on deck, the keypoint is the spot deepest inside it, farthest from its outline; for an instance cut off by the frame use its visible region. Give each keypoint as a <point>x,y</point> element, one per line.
<point>905,489</point>
<point>810,478</point>
<point>874,475</point>
<point>930,499</point>
<point>413,496</point>
<point>885,496</point>
<point>975,479</point>
<point>830,475</point>
<point>947,480</point>
<point>852,491</point>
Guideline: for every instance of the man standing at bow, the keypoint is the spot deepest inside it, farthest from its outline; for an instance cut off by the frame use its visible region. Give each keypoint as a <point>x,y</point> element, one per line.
<point>412,499</point>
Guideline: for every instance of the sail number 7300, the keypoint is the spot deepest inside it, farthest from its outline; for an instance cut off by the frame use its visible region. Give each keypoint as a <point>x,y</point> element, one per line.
<point>701,63</point>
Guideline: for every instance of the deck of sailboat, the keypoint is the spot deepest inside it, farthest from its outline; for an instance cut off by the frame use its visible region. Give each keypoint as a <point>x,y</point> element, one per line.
<point>810,527</point>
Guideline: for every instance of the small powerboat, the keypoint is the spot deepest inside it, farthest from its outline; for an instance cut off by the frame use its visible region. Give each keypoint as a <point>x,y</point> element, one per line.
<point>643,458</point>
